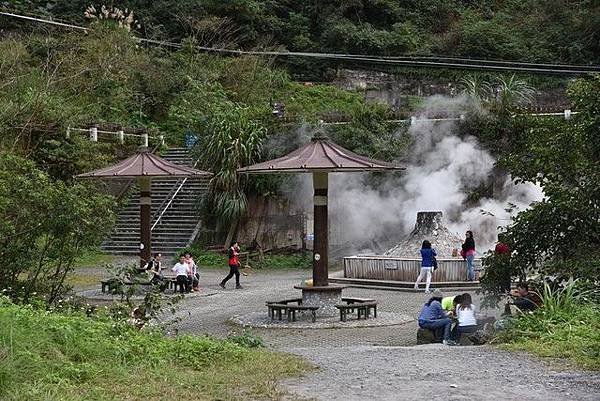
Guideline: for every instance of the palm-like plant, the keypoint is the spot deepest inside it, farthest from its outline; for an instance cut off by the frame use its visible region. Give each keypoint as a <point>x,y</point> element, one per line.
<point>231,139</point>
<point>477,89</point>
<point>512,93</point>
<point>503,96</point>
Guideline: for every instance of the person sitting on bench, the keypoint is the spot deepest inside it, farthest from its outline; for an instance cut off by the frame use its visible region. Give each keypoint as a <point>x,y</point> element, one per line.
<point>465,314</point>
<point>182,270</point>
<point>154,266</point>
<point>449,303</point>
<point>433,317</point>
<point>194,277</point>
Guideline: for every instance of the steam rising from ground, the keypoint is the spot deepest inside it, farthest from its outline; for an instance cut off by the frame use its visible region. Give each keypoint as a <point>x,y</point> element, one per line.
<point>442,170</point>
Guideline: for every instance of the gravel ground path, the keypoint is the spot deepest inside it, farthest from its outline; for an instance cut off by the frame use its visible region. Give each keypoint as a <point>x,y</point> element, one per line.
<point>379,363</point>
<point>434,371</point>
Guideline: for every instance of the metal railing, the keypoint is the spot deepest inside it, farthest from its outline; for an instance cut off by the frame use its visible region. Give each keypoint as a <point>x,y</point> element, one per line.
<point>168,201</point>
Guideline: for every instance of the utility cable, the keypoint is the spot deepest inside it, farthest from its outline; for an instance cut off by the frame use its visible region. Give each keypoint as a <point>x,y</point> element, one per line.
<point>401,61</point>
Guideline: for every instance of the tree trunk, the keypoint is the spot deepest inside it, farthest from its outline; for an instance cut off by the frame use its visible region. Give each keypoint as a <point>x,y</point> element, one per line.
<point>231,233</point>
<point>499,175</point>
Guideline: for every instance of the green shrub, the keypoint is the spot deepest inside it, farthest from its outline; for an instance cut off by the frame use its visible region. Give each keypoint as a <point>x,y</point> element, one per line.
<point>246,339</point>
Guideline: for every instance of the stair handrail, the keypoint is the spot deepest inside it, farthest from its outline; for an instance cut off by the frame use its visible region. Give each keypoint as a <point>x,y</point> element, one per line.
<point>170,198</point>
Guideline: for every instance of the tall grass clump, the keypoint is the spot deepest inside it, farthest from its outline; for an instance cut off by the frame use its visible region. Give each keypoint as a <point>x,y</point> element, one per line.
<point>564,327</point>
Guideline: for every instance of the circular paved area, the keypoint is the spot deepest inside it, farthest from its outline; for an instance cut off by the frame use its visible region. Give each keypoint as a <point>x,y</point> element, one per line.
<point>212,314</point>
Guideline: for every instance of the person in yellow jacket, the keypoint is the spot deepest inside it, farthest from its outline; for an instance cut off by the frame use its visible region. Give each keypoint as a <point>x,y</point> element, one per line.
<point>449,303</point>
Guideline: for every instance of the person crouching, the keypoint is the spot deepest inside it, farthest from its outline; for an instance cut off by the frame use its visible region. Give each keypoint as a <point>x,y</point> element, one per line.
<point>433,317</point>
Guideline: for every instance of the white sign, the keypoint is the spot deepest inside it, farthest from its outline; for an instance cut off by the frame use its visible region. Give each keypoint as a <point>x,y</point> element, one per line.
<point>317,257</point>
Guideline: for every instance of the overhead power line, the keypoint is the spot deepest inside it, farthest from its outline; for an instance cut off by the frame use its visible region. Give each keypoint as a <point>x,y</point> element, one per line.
<point>399,61</point>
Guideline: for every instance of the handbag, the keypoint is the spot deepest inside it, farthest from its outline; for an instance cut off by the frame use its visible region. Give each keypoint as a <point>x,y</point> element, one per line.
<point>434,263</point>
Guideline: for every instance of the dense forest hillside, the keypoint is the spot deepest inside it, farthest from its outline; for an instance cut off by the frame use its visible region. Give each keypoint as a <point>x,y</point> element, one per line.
<point>524,30</point>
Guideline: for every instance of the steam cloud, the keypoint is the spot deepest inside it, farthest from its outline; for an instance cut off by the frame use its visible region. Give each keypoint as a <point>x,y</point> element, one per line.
<point>442,169</point>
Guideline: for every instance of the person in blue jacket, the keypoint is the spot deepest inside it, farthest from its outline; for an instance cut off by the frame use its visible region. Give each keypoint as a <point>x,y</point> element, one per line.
<point>427,254</point>
<point>433,317</point>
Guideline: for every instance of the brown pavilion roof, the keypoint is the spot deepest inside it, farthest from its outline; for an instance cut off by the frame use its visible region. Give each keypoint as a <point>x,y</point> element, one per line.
<point>320,154</point>
<point>144,164</point>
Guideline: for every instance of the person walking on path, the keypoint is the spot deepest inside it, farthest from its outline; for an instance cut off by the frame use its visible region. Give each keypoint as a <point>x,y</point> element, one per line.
<point>465,314</point>
<point>433,317</point>
<point>182,270</point>
<point>427,255</point>
<point>233,255</point>
<point>468,253</point>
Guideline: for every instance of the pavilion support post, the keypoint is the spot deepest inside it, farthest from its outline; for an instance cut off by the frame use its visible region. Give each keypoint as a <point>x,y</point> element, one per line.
<point>321,241</point>
<point>145,234</point>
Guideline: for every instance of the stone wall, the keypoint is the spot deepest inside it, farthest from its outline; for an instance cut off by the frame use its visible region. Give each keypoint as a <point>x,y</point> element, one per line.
<point>395,90</point>
<point>273,224</point>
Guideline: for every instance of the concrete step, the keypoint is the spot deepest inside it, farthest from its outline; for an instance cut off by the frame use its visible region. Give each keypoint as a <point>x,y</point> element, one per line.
<point>177,224</point>
<point>134,221</point>
<point>178,211</point>
<point>166,225</point>
<point>162,234</point>
<point>135,243</point>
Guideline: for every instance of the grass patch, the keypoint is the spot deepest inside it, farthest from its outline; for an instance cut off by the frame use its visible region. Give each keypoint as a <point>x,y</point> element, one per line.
<point>70,357</point>
<point>573,337</point>
<point>77,280</point>
<point>94,258</point>
<point>563,328</point>
<point>292,261</point>
<point>203,258</point>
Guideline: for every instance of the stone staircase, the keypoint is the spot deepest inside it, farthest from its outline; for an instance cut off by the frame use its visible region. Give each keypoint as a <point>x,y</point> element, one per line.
<point>178,225</point>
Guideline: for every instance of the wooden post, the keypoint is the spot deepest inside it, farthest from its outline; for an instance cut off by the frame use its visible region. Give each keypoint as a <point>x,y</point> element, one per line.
<point>145,204</point>
<point>121,136</point>
<point>94,134</point>
<point>321,241</point>
<point>145,140</point>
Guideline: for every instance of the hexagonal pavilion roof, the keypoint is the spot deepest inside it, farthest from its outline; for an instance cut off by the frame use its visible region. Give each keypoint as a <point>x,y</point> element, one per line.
<point>320,154</point>
<point>144,164</point>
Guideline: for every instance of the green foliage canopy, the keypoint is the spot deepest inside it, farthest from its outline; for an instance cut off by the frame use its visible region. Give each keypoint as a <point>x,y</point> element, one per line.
<point>559,235</point>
